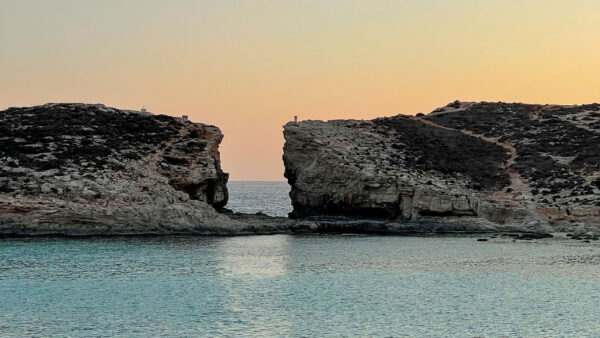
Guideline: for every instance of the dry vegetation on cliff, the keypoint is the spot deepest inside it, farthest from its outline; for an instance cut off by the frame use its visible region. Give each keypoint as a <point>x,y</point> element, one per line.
<point>87,169</point>
<point>503,163</point>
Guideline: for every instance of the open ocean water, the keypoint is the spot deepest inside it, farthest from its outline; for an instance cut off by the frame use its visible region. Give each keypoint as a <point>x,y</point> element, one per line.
<point>298,285</point>
<point>271,198</point>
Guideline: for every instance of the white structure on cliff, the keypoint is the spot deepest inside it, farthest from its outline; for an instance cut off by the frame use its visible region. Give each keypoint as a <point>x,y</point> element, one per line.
<point>145,111</point>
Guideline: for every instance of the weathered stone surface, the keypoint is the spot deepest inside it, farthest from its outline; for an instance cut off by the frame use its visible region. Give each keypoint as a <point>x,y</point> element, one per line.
<point>85,169</point>
<point>513,165</point>
<point>424,225</point>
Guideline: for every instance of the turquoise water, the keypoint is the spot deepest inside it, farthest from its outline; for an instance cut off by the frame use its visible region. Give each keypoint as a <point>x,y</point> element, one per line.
<point>299,285</point>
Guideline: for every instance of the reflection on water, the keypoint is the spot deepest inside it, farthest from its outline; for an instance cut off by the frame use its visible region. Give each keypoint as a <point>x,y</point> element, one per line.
<point>244,258</point>
<point>300,286</point>
<point>246,274</point>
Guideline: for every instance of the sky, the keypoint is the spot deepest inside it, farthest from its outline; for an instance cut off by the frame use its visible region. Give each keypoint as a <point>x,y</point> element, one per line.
<point>249,66</point>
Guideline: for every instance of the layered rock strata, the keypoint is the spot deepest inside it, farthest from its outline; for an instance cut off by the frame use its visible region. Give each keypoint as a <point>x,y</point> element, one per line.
<point>498,165</point>
<point>90,169</point>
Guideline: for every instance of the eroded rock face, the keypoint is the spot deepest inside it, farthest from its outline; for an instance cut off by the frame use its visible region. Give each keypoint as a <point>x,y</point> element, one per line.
<point>91,169</point>
<point>501,164</point>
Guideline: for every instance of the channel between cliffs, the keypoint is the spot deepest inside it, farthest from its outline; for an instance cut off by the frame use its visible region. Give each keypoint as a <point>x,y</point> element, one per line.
<point>86,169</point>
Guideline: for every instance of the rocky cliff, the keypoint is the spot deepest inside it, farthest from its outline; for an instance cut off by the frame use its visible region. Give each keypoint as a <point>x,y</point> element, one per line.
<point>90,169</point>
<point>483,165</point>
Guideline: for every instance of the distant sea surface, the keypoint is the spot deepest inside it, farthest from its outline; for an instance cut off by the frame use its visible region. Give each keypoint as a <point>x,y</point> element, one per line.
<point>310,286</point>
<point>271,198</point>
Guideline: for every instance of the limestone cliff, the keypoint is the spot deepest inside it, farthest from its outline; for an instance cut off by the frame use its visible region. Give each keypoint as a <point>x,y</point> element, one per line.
<point>497,165</point>
<point>91,169</point>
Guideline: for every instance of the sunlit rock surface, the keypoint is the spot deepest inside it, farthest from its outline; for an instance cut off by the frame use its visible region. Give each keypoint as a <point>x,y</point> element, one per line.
<point>495,165</point>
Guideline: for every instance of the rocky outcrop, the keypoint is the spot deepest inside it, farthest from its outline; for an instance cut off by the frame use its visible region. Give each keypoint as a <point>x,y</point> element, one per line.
<point>79,169</point>
<point>85,169</point>
<point>497,165</point>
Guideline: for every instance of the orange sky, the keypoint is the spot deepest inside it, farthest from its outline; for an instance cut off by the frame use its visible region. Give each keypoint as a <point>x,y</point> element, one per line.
<point>249,66</point>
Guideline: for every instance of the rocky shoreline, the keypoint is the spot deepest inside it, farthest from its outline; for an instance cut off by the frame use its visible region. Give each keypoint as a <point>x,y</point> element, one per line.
<point>81,169</point>
<point>493,165</point>
<point>261,224</point>
<point>489,168</point>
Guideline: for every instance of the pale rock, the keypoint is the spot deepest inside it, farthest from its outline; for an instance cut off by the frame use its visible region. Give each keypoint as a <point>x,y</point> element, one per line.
<point>127,189</point>
<point>423,169</point>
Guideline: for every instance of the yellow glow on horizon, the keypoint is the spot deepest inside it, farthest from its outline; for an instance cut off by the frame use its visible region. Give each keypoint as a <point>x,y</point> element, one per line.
<point>250,66</point>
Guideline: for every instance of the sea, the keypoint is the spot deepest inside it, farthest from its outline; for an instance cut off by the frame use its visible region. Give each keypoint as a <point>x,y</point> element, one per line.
<point>299,286</point>
<point>271,198</point>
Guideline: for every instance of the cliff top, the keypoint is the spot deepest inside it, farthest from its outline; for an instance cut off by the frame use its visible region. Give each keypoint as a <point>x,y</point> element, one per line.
<point>91,140</point>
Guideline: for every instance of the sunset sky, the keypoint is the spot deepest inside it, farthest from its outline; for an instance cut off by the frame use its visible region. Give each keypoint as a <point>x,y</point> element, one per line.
<point>250,66</point>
